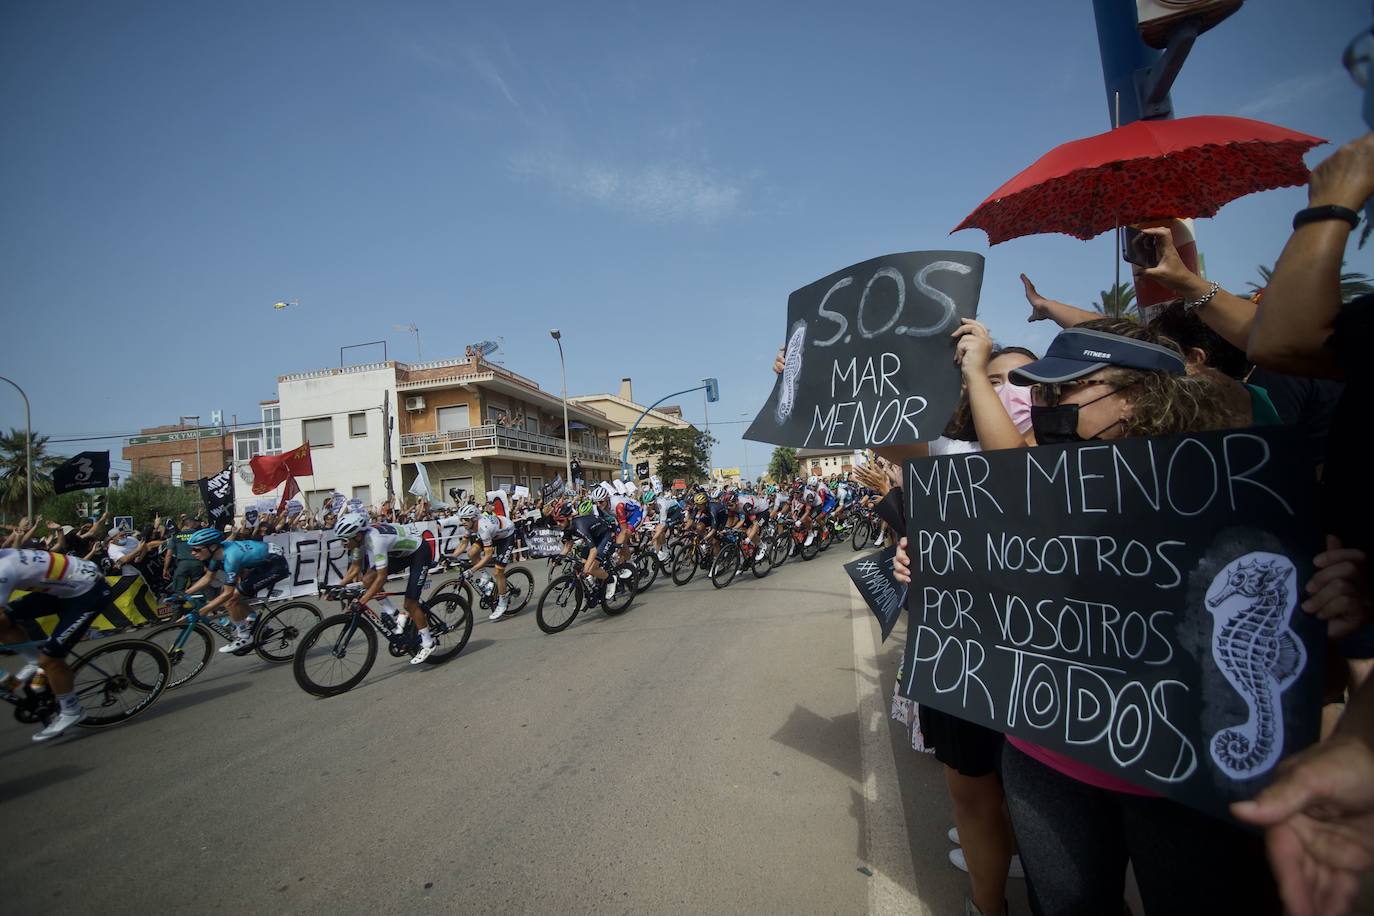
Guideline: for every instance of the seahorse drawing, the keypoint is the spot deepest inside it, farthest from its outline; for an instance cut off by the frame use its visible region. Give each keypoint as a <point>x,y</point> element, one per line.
<point>1250,601</point>
<point>791,372</point>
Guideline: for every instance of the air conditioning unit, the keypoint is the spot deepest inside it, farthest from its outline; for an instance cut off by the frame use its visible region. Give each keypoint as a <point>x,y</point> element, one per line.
<point>1158,18</point>
<point>415,403</point>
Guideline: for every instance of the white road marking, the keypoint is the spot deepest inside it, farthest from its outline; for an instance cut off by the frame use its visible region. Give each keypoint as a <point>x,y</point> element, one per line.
<point>889,849</point>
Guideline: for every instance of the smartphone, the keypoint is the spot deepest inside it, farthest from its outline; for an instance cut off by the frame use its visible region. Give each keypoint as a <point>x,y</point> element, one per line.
<point>1139,248</point>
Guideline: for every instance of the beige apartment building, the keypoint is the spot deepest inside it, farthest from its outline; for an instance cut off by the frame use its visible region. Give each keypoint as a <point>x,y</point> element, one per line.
<point>621,410</point>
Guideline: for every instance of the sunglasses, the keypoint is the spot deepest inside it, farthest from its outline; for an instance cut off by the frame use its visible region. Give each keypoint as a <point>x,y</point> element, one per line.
<point>1049,394</point>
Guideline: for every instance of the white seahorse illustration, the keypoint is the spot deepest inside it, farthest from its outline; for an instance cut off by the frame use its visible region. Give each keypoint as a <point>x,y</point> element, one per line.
<point>791,372</point>
<point>1257,653</point>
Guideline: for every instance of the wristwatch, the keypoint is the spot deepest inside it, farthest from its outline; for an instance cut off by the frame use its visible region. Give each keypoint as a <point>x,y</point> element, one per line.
<point>1329,211</point>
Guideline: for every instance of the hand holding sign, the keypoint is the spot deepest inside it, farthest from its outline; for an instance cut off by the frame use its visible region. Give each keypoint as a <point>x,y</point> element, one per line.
<point>866,356</point>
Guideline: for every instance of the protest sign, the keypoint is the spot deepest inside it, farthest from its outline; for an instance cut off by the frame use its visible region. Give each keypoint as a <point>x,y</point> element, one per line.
<point>884,595</point>
<point>642,470</point>
<point>84,471</point>
<point>544,542</point>
<point>868,358</point>
<point>217,493</point>
<point>1130,603</point>
<point>553,488</point>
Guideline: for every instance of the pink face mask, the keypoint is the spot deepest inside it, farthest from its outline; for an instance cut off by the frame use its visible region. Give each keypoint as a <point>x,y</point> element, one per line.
<point>1017,400</point>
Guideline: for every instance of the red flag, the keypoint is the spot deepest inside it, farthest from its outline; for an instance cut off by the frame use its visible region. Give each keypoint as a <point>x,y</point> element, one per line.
<point>271,471</point>
<point>291,489</point>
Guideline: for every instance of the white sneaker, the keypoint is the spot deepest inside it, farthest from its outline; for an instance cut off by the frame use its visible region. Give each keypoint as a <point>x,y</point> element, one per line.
<point>627,573</point>
<point>956,858</point>
<point>424,653</point>
<point>59,725</point>
<point>809,538</point>
<point>880,543</point>
<point>401,620</point>
<point>663,556</point>
<point>953,835</point>
<point>501,607</point>
<point>238,642</point>
<point>610,588</point>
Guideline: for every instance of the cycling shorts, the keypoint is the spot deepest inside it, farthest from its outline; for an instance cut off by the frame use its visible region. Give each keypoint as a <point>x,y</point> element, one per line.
<point>74,617</point>
<point>604,544</point>
<point>501,549</point>
<point>254,579</point>
<point>418,563</point>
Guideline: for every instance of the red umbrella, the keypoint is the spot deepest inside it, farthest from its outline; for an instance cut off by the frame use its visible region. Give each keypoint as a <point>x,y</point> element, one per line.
<point>1188,167</point>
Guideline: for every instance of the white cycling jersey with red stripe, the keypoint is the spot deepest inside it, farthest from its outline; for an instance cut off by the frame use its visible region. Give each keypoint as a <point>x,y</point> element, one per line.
<point>41,571</point>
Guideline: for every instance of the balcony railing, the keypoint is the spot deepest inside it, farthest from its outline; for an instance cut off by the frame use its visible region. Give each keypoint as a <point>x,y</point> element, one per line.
<point>480,438</point>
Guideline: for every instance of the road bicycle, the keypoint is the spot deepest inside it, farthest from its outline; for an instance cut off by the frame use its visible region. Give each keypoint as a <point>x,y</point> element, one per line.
<point>568,593</point>
<point>114,681</point>
<point>189,641</point>
<point>519,585</point>
<point>339,651</point>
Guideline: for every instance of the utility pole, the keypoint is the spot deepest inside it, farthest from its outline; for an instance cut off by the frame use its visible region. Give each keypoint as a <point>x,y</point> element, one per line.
<point>386,443</point>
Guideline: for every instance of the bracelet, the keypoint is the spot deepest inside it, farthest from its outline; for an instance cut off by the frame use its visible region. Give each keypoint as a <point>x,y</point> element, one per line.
<point>1196,304</point>
<point>1329,211</point>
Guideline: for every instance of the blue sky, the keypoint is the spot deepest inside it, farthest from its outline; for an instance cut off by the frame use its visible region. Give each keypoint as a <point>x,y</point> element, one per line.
<point>653,181</point>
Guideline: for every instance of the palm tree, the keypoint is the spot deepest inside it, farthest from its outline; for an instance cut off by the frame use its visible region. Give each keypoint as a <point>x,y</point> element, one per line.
<point>14,472</point>
<point>1117,302</point>
<point>1353,284</point>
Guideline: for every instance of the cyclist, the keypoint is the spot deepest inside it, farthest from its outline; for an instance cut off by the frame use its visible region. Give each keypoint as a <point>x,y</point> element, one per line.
<point>669,516</point>
<point>805,503</point>
<point>628,514</point>
<point>494,535</point>
<point>240,569</point>
<point>596,530</point>
<point>383,549</point>
<point>755,512</point>
<point>72,589</point>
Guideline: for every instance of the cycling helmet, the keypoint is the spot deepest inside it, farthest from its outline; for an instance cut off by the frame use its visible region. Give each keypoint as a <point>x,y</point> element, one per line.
<point>206,537</point>
<point>813,481</point>
<point>699,499</point>
<point>600,493</point>
<point>562,510</point>
<point>468,513</point>
<point>350,524</point>
<point>586,507</point>
<point>729,497</point>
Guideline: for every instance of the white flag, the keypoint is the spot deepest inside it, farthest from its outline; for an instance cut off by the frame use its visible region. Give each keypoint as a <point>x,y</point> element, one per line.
<point>420,486</point>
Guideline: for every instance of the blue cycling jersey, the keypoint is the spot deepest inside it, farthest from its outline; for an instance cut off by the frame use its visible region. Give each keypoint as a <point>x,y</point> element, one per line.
<point>241,555</point>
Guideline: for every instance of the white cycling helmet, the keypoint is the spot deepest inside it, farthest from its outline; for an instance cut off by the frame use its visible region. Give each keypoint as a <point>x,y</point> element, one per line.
<point>351,524</point>
<point>600,492</point>
<point>813,481</point>
<point>468,513</point>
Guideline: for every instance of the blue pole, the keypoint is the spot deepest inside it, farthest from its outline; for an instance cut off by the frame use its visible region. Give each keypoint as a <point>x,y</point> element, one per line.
<point>1124,55</point>
<point>625,452</point>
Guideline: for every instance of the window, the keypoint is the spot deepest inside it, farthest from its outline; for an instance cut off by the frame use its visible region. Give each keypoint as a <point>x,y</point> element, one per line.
<point>364,494</point>
<point>246,446</point>
<point>536,484</point>
<point>357,424</point>
<point>316,499</point>
<point>176,473</point>
<point>271,430</point>
<point>499,481</point>
<point>496,415</point>
<point>455,483</point>
<point>532,423</point>
<point>319,432</point>
<point>452,419</point>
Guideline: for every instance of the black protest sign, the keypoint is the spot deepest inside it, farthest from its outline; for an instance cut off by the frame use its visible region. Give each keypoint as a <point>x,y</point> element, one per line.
<point>552,488</point>
<point>883,594</point>
<point>217,493</point>
<point>86,471</point>
<point>642,470</point>
<point>1132,604</point>
<point>544,542</point>
<point>868,358</point>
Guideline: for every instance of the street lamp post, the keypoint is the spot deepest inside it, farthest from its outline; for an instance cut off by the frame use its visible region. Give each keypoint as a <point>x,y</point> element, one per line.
<point>567,433</point>
<point>706,421</point>
<point>747,475</point>
<point>199,475</point>
<point>28,445</point>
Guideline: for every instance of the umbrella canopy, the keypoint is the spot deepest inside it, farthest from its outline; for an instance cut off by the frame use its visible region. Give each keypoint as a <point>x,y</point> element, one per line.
<point>1187,167</point>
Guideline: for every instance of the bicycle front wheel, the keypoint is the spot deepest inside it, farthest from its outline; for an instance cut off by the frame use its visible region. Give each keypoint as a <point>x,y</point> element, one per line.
<point>862,532</point>
<point>725,566</point>
<point>116,681</point>
<point>559,604</point>
<point>279,632</point>
<point>330,659</point>
<point>188,658</point>
<point>520,585</point>
<point>763,559</point>
<point>453,617</point>
<point>684,562</point>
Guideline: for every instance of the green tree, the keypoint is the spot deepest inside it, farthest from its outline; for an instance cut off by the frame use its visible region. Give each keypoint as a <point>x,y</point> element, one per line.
<point>142,496</point>
<point>14,472</point>
<point>1117,302</point>
<point>783,465</point>
<point>1353,284</point>
<point>676,452</point>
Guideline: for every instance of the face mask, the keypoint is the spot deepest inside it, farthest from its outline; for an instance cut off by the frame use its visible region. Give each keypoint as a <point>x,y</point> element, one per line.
<point>1059,425</point>
<point>1016,399</point>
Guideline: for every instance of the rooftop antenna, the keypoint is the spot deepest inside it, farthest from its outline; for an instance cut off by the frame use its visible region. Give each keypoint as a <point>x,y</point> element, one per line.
<point>411,329</point>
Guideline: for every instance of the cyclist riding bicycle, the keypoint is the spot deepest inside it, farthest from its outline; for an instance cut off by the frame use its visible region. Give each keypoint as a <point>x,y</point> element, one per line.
<point>72,589</point>
<point>596,530</point>
<point>628,514</point>
<point>383,549</point>
<point>494,535</point>
<point>240,569</point>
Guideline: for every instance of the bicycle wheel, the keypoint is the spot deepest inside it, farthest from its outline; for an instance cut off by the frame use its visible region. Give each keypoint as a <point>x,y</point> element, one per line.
<point>521,583</point>
<point>863,531</point>
<point>190,657</point>
<point>725,566</point>
<point>454,616</point>
<point>646,568</point>
<point>780,549</point>
<point>811,551</point>
<point>459,585</point>
<point>116,681</point>
<point>559,604</point>
<point>276,635</point>
<point>763,558</point>
<point>684,562</point>
<point>624,593</point>
<point>329,659</point>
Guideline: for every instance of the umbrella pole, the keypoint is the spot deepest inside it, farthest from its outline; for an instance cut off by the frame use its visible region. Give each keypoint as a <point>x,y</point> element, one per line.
<point>1116,252</point>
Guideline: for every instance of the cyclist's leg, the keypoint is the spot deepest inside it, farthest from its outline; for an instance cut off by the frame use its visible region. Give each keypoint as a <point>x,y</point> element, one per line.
<point>74,619</point>
<point>418,564</point>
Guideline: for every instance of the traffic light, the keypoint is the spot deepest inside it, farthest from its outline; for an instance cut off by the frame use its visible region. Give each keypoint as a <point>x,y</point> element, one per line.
<point>712,390</point>
<point>97,505</point>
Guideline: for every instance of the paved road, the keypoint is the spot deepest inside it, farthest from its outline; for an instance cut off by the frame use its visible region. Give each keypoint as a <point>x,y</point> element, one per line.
<point>707,752</point>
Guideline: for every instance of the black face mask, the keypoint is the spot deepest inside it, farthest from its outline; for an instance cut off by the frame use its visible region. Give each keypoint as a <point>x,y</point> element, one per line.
<point>1058,425</point>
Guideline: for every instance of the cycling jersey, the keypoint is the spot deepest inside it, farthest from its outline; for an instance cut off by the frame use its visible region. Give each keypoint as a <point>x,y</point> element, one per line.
<point>384,540</point>
<point>716,514</point>
<point>596,529</point>
<point>51,573</point>
<point>240,556</point>
<point>627,512</point>
<point>494,528</point>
